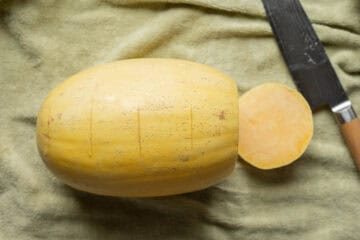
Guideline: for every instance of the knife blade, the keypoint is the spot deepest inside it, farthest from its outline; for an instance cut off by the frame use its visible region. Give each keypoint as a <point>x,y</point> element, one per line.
<point>310,67</point>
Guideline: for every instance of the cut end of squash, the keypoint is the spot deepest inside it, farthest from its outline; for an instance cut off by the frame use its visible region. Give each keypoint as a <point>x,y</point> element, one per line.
<point>275,126</point>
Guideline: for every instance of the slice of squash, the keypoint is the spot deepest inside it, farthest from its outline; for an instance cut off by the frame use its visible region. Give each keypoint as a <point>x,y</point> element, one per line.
<point>275,126</point>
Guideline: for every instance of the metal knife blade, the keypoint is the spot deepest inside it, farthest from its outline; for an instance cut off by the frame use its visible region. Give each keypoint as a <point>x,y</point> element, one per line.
<point>310,67</point>
<point>304,54</point>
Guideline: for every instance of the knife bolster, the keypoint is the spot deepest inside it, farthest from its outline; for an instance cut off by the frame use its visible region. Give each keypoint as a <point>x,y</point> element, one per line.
<point>344,112</point>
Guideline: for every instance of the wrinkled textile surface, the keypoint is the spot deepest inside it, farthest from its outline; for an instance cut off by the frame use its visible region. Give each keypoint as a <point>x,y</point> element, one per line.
<point>42,42</point>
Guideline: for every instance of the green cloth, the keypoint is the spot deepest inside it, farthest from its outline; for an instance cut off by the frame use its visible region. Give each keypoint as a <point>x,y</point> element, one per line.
<point>42,42</point>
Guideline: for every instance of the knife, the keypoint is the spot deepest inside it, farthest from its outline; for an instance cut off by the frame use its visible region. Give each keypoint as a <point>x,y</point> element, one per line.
<point>310,67</point>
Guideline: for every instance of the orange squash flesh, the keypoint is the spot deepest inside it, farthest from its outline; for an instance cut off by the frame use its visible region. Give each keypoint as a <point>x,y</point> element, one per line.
<point>275,126</point>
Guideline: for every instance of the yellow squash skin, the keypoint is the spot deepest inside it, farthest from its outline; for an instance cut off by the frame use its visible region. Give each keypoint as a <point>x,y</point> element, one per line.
<point>141,127</point>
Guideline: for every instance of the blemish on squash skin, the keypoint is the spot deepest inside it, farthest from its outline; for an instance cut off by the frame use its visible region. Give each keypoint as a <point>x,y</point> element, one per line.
<point>221,115</point>
<point>46,136</point>
<point>217,133</point>
<point>184,158</point>
<point>59,116</point>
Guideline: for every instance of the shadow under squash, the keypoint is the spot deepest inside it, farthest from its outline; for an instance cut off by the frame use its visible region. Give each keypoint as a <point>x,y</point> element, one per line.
<point>278,176</point>
<point>171,217</point>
